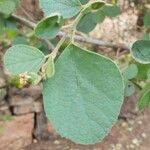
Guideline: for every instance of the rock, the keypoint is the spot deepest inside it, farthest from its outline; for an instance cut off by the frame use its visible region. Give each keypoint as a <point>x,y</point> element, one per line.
<point>17,133</point>
<point>3,93</point>
<point>2,102</point>
<point>23,109</point>
<point>4,108</point>
<point>33,91</point>
<point>17,100</point>
<point>2,82</point>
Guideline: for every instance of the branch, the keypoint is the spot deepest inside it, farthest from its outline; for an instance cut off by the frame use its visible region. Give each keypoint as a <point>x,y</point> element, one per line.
<point>76,37</point>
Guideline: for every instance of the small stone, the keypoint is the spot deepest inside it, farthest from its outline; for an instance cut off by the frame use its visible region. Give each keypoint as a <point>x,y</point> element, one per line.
<point>56,142</point>
<point>34,141</point>
<point>118,146</point>
<point>17,133</point>
<point>131,146</point>
<point>140,122</point>
<point>125,124</point>
<point>3,93</point>
<point>144,135</point>
<point>130,129</point>
<point>24,109</point>
<point>136,142</point>
<point>131,122</point>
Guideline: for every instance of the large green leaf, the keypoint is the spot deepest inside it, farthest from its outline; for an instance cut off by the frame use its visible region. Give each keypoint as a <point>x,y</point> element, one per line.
<point>84,97</point>
<point>7,6</point>
<point>141,51</point>
<point>66,8</point>
<point>144,100</point>
<point>48,27</point>
<point>22,58</point>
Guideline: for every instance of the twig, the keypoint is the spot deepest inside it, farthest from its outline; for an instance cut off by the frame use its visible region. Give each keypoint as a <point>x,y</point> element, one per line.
<point>77,37</point>
<point>97,42</point>
<point>24,21</point>
<point>26,13</point>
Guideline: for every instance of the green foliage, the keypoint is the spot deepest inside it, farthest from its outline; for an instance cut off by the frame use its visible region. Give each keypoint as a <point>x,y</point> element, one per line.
<point>79,99</point>
<point>83,91</point>
<point>48,27</point>
<point>7,7</point>
<point>131,71</point>
<point>147,20</point>
<point>141,51</point>
<point>90,20</point>
<point>95,5</point>
<point>84,1</point>
<point>142,71</point>
<point>50,67</point>
<point>67,8</point>
<point>8,28</point>
<point>22,58</point>
<point>111,10</point>
<point>146,36</point>
<point>129,88</point>
<point>6,117</point>
<point>20,40</point>
<point>34,78</point>
<point>144,100</point>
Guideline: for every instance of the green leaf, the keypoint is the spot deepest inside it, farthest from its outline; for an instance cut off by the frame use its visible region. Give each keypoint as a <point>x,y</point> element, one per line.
<point>111,10</point>
<point>142,71</point>
<point>20,40</point>
<point>129,88</point>
<point>34,78</point>
<point>148,75</point>
<point>97,4</point>
<point>131,71</point>
<point>22,58</point>
<point>141,51</point>
<point>84,97</point>
<point>48,27</point>
<point>84,1</point>
<point>146,36</point>
<point>7,7</point>
<point>147,20</point>
<point>144,100</point>
<point>67,8</point>
<point>50,67</point>
<point>89,21</point>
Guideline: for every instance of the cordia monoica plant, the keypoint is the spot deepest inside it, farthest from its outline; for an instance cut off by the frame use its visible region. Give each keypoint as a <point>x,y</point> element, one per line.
<point>83,91</point>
